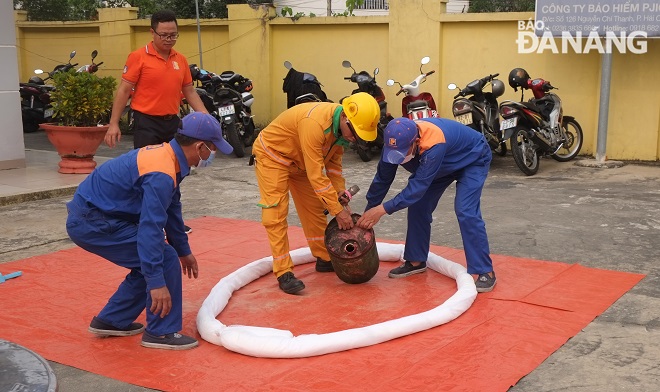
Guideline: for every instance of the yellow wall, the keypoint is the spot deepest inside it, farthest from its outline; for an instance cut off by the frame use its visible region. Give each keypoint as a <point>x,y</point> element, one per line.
<point>363,49</point>
<point>45,47</point>
<point>462,47</point>
<point>634,103</point>
<point>469,56</point>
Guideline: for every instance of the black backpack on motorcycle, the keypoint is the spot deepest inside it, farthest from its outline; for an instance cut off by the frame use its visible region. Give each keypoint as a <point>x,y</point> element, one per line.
<point>297,84</point>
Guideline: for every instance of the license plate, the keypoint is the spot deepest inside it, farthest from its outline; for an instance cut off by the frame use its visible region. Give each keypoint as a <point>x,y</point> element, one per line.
<point>48,113</point>
<point>465,119</point>
<point>509,123</point>
<point>226,110</point>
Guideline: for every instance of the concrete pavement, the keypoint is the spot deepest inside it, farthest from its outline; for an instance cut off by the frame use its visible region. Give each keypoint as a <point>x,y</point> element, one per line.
<point>601,218</point>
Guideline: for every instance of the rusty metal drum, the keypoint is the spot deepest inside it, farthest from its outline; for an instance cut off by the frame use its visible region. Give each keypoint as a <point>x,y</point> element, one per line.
<point>353,252</point>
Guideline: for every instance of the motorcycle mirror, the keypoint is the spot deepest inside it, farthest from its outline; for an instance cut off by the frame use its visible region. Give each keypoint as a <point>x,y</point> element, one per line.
<point>452,86</point>
<point>346,64</point>
<point>287,65</point>
<point>425,60</point>
<point>72,54</point>
<point>390,82</point>
<point>38,71</point>
<point>94,54</point>
<point>376,71</point>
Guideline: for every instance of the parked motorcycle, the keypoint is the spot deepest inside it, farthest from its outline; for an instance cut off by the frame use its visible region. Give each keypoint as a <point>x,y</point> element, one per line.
<point>301,87</point>
<point>228,97</point>
<point>35,97</point>
<point>35,103</point>
<point>480,111</point>
<point>93,67</point>
<point>416,105</point>
<point>366,83</point>
<point>538,127</point>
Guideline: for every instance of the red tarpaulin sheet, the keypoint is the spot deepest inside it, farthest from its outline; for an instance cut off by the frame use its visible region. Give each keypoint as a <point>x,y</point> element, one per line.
<point>535,308</point>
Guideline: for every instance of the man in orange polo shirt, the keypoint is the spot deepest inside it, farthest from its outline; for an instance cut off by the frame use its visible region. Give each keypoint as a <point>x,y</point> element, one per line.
<point>156,75</point>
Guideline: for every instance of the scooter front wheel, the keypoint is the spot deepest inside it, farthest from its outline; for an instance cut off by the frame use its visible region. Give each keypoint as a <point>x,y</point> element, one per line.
<point>573,143</point>
<point>524,152</point>
<point>249,134</point>
<point>231,134</point>
<point>30,123</point>
<point>365,153</point>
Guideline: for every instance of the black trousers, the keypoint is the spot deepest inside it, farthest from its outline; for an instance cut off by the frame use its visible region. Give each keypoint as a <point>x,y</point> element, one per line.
<point>149,130</point>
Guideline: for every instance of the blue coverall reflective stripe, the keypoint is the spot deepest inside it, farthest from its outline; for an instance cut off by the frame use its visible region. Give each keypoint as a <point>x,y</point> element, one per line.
<point>119,212</point>
<point>464,157</point>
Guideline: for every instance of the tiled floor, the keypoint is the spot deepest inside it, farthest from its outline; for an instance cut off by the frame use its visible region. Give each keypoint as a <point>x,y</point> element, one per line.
<point>40,174</point>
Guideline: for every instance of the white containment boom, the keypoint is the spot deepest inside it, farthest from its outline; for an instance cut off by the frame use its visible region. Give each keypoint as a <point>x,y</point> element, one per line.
<point>276,343</point>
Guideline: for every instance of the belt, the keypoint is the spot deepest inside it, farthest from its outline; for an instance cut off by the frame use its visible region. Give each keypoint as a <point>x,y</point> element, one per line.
<point>166,117</point>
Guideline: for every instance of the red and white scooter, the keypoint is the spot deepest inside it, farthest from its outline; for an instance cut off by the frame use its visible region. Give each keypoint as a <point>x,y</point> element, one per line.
<point>416,104</point>
<point>93,67</point>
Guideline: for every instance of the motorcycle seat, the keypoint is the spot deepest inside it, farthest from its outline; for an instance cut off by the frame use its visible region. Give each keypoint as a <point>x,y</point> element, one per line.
<point>416,105</point>
<point>225,93</point>
<point>531,106</point>
<point>230,77</point>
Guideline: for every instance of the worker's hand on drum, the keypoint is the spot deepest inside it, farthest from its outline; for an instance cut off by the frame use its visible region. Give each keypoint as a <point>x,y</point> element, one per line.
<point>344,219</point>
<point>370,217</point>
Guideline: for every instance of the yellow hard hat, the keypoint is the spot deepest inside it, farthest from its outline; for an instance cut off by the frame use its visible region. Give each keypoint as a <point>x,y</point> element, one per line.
<point>363,112</point>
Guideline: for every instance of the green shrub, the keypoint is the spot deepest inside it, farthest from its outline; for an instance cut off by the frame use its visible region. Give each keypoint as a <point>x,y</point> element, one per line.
<point>81,98</point>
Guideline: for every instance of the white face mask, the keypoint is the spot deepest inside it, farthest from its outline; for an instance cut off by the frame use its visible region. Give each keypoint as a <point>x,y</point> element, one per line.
<point>206,162</point>
<point>408,158</point>
<point>411,153</point>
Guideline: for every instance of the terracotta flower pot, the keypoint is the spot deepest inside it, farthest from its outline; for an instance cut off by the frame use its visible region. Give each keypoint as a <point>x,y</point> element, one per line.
<point>75,145</point>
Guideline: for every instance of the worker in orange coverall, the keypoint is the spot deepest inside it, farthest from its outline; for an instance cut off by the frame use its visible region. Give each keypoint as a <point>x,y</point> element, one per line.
<point>301,151</point>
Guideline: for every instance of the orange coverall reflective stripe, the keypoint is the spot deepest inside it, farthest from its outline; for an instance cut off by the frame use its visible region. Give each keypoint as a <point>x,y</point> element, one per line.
<point>297,153</point>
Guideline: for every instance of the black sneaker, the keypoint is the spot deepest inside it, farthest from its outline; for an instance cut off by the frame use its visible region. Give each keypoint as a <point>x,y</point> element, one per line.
<point>407,269</point>
<point>103,329</point>
<point>171,341</point>
<point>324,266</point>
<point>485,283</point>
<point>187,229</point>
<point>290,284</point>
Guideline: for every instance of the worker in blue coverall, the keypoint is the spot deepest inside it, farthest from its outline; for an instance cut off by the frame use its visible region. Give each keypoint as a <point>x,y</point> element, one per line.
<point>437,152</point>
<point>119,212</point>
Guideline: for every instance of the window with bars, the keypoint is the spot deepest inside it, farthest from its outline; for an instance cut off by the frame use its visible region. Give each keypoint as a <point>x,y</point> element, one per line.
<point>374,5</point>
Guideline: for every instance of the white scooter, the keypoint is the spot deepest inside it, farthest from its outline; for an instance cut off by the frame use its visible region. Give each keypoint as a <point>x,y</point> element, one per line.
<point>416,105</point>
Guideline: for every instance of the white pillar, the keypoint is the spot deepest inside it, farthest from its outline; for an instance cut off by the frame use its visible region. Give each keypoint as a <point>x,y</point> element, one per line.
<point>12,148</point>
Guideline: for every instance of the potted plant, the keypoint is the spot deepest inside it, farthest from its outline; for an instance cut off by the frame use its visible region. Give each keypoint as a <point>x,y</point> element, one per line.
<point>81,102</point>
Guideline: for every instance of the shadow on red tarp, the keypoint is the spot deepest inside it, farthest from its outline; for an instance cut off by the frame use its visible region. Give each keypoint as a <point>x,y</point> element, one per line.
<point>500,339</point>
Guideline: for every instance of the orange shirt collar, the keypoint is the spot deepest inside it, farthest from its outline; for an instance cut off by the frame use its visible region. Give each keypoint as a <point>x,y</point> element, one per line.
<point>151,49</point>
